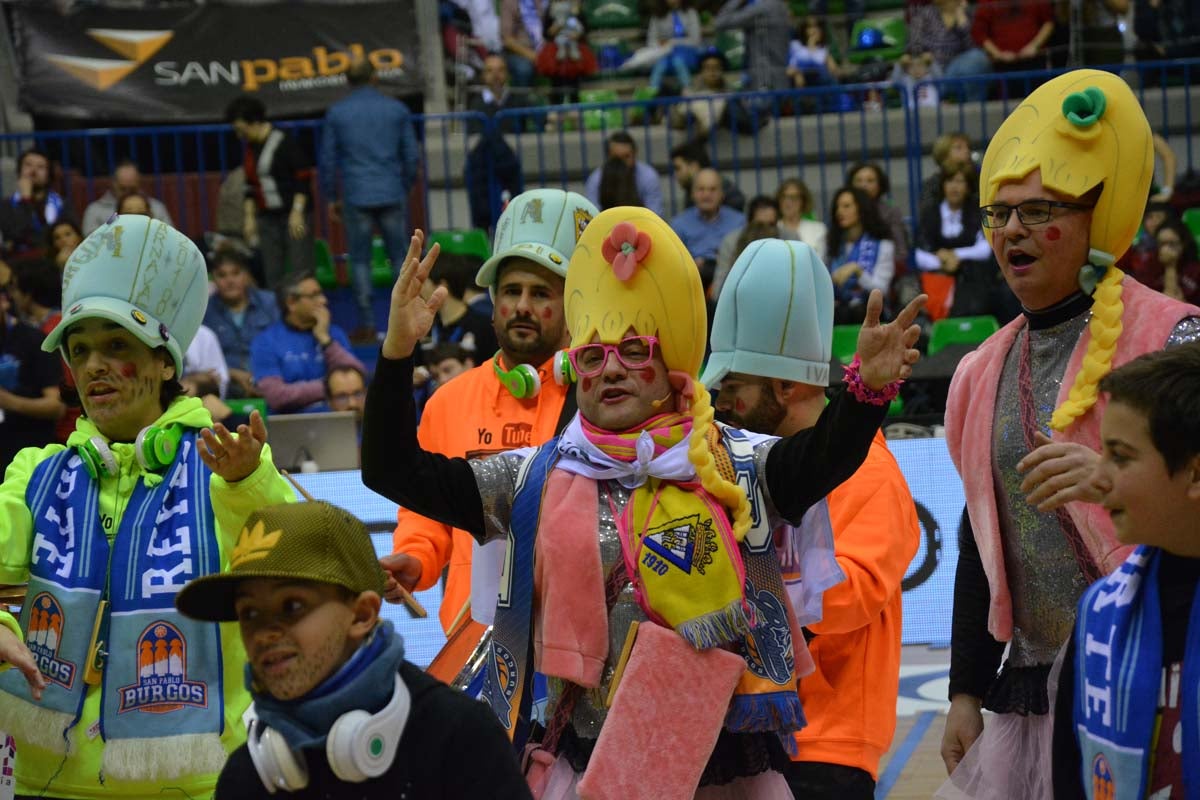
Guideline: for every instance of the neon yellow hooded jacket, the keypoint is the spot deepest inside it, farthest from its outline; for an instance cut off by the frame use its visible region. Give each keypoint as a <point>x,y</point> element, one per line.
<point>78,775</point>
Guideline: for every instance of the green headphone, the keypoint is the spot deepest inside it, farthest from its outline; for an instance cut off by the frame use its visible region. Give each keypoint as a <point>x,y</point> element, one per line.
<point>523,381</point>
<point>154,448</point>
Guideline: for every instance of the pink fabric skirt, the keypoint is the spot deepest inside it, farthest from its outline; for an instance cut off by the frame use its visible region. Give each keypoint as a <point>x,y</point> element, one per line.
<point>1010,759</point>
<point>767,786</point>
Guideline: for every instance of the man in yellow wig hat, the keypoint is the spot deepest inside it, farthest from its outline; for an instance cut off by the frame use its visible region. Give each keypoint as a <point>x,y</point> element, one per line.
<point>1062,188</point>
<point>643,510</point>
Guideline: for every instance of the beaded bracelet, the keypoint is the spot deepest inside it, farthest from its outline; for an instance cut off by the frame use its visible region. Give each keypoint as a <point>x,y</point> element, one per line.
<point>864,393</point>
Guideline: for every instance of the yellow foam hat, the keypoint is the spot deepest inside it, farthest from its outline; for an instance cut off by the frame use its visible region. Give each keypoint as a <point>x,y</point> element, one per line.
<point>629,269</point>
<point>1081,129</point>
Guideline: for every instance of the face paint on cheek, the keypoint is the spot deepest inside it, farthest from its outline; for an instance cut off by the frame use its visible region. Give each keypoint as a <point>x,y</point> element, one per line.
<point>739,406</point>
<point>128,370</point>
<point>585,384</point>
<point>1053,233</point>
<point>648,375</point>
<point>505,311</point>
<point>547,313</point>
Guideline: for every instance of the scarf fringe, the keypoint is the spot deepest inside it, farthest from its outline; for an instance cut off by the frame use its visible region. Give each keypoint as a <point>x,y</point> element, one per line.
<point>724,626</point>
<point>36,725</point>
<point>780,712</point>
<point>164,758</point>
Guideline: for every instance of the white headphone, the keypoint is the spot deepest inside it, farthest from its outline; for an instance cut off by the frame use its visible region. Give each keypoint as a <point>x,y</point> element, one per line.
<point>359,746</point>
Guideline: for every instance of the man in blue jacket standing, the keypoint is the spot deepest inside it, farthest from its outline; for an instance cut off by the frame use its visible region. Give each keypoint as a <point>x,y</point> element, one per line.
<point>368,138</point>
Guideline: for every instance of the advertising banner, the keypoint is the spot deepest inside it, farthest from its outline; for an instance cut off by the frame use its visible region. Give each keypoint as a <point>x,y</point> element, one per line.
<point>185,63</point>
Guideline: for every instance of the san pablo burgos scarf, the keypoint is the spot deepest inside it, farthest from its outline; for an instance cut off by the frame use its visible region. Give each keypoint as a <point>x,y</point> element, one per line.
<point>863,252</point>
<point>766,698</point>
<point>1118,669</point>
<point>162,709</point>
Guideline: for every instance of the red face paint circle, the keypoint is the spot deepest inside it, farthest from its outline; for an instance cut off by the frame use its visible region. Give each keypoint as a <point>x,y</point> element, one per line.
<point>128,370</point>
<point>586,384</point>
<point>547,313</point>
<point>648,374</point>
<point>739,406</point>
<point>1053,233</point>
<point>504,310</point>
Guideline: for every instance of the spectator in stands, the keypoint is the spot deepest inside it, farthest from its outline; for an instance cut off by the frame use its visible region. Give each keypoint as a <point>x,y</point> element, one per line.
<point>1174,268</point>
<point>649,184</point>
<point>61,240</point>
<point>237,313</point>
<point>955,259</point>
<point>687,159</point>
<point>565,64</point>
<point>1013,33</point>
<point>874,183</point>
<point>809,61</point>
<point>448,360</point>
<point>29,380</point>
<point>1165,29</point>
<point>35,290</point>
<point>457,321</point>
<point>948,149</point>
<point>618,185</point>
<point>911,75</point>
<point>134,203</point>
<point>704,114</point>
<point>492,155</point>
<point>796,209</point>
<point>126,180</point>
<point>30,210</point>
<point>860,255</point>
<point>291,357</point>
<point>522,33</point>
<point>346,390</point>
<point>762,216</point>
<point>675,29</point>
<point>767,28</point>
<point>278,189</point>
<point>368,140</point>
<point>702,226</point>
<point>1145,246</point>
<point>205,371</point>
<point>942,31</point>
<point>1101,40</point>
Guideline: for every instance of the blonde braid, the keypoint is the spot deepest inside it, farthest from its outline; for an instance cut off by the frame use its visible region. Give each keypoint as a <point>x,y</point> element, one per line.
<point>730,494</point>
<point>1105,329</point>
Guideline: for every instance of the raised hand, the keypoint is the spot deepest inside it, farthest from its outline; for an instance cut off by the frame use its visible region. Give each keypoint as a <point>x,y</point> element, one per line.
<point>411,314</point>
<point>234,457</point>
<point>887,351</point>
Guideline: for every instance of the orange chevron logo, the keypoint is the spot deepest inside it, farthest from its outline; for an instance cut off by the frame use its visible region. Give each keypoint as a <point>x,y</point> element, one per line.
<point>136,47</point>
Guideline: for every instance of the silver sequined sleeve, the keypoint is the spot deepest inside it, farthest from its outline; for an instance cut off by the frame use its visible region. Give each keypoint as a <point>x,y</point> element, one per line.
<point>496,477</point>
<point>1188,330</point>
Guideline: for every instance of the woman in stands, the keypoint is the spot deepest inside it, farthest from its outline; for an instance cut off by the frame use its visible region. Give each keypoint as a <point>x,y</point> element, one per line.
<point>1174,270</point>
<point>61,240</point>
<point>795,215</point>
<point>860,256</point>
<point>873,181</point>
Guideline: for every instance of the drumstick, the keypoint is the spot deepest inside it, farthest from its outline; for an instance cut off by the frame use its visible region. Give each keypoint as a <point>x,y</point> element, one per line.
<point>410,602</point>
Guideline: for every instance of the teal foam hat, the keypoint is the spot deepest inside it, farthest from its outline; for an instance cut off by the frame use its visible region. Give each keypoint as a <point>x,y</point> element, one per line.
<point>542,225</point>
<point>141,274</point>
<point>774,317</point>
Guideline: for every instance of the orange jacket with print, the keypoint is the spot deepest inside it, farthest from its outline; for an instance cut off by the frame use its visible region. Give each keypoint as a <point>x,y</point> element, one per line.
<point>850,700</point>
<point>472,415</point>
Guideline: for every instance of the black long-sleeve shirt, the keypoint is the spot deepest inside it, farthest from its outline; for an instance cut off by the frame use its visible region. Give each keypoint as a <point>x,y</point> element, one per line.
<point>801,468</point>
<point>974,654</point>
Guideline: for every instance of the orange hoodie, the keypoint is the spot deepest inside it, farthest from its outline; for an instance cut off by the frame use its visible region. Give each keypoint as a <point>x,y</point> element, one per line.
<point>850,700</point>
<point>473,415</point>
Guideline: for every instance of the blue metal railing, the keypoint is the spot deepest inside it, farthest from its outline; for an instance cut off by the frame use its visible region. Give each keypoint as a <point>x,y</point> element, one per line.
<point>757,139</point>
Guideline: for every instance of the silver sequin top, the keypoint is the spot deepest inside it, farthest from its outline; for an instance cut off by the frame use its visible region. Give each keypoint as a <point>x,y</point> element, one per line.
<point>1043,576</point>
<point>496,477</point>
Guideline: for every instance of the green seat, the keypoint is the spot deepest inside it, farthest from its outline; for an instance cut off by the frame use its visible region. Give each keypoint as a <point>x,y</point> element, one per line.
<point>244,405</point>
<point>845,342</point>
<point>732,45</point>
<point>961,330</point>
<point>596,119</point>
<point>612,14</point>
<point>469,242</point>
<point>645,93</point>
<point>1191,218</point>
<point>894,40</point>
<point>381,265</point>
<point>326,272</point>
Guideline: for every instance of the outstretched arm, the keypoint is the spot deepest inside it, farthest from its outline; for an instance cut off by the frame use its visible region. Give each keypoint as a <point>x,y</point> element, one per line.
<point>393,463</point>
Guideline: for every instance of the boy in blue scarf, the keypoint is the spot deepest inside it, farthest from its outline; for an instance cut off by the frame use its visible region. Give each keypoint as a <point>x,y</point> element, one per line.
<point>1128,704</point>
<point>340,713</point>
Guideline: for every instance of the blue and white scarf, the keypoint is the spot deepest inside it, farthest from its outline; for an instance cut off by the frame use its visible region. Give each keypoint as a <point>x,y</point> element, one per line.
<point>1118,669</point>
<point>51,211</point>
<point>162,706</point>
<point>864,252</point>
<point>532,21</point>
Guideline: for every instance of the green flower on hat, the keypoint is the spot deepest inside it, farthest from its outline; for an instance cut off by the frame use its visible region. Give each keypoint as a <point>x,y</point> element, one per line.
<point>1084,109</point>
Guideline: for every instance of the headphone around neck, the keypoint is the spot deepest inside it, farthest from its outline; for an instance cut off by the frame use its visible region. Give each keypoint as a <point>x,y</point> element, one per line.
<point>523,381</point>
<point>154,448</point>
<point>358,747</point>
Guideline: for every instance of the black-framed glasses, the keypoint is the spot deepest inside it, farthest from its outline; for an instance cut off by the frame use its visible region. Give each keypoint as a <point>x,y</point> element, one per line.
<point>1030,212</point>
<point>634,352</point>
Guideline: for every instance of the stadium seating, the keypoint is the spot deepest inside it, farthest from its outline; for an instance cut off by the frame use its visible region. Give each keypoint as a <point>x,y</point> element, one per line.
<point>845,342</point>
<point>612,14</point>
<point>1191,218</point>
<point>961,330</point>
<point>470,242</point>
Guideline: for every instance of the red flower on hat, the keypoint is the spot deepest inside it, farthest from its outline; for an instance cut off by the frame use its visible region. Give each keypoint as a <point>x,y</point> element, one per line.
<point>625,248</point>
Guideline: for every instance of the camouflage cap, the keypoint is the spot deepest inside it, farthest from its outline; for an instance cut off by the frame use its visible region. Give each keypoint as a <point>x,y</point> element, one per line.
<point>313,541</point>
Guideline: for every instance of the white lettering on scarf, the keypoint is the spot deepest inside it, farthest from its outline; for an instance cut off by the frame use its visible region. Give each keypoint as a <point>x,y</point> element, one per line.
<point>66,528</point>
<point>1120,589</point>
<point>169,581</point>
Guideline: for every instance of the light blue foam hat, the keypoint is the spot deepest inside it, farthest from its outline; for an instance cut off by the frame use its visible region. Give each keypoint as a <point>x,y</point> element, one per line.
<point>542,225</point>
<point>774,317</point>
<point>141,274</point>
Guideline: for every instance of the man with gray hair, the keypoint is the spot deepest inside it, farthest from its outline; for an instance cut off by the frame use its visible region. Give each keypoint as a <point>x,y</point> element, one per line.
<point>368,140</point>
<point>771,342</point>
